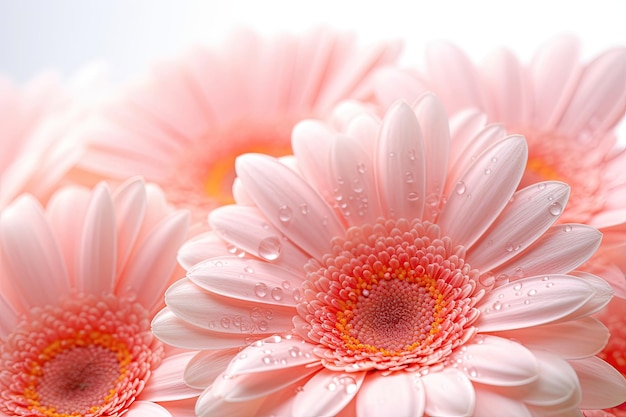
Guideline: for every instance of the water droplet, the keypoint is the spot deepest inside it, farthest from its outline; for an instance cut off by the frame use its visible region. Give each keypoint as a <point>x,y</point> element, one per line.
<point>413,196</point>
<point>545,278</point>
<point>412,154</point>
<point>269,248</point>
<point>284,213</point>
<point>219,264</point>
<point>527,301</point>
<point>277,293</point>
<point>260,289</point>
<point>541,186</point>
<point>472,372</point>
<point>273,339</point>
<point>550,285</point>
<point>508,247</point>
<point>392,155</point>
<point>331,387</point>
<point>497,306</point>
<point>487,279</point>
<point>517,286</point>
<point>408,177</point>
<point>494,159</point>
<point>294,352</point>
<point>267,360</point>
<point>297,297</point>
<point>286,284</point>
<point>567,228</point>
<point>324,221</point>
<point>357,186</point>
<point>265,226</point>
<point>488,171</point>
<point>360,168</point>
<point>304,209</point>
<point>555,209</point>
<point>460,187</point>
<point>248,269</point>
<point>242,356</point>
<point>532,292</point>
<point>225,322</point>
<point>262,325</point>
<point>365,293</point>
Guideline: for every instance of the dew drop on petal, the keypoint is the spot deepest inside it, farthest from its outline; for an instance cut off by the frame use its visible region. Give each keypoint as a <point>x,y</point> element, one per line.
<point>304,209</point>
<point>269,248</point>
<point>555,209</point>
<point>274,339</point>
<point>497,306</point>
<point>508,247</point>
<point>408,177</point>
<point>360,168</point>
<point>294,352</point>
<point>248,269</point>
<point>297,296</point>
<point>413,196</point>
<point>286,284</point>
<point>262,325</point>
<point>527,301</point>
<point>488,171</point>
<point>567,228</point>
<point>331,387</point>
<point>277,293</point>
<point>517,286</point>
<point>460,187</point>
<point>260,289</point>
<point>494,159</point>
<point>532,292</point>
<point>225,322</point>
<point>284,214</point>
<point>541,186</point>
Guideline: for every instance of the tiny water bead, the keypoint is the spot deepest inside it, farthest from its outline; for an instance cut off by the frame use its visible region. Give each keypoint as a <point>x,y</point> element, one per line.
<point>270,248</point>
<point>88,356</point>
<point>388,294</point>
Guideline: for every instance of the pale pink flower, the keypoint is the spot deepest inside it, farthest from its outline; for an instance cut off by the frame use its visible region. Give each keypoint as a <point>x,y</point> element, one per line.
<point>380,272</point>
<point>183,127</point>
<point>37,121</point>
<point>566,109</point>
<point>80,283</point>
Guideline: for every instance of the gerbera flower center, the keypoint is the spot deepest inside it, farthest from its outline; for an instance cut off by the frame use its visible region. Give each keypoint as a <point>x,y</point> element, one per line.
<point>393,296</point>
<point>86,357</point>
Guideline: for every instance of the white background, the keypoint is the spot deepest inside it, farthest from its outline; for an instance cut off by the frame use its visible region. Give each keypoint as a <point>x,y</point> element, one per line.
<point>128,35</point>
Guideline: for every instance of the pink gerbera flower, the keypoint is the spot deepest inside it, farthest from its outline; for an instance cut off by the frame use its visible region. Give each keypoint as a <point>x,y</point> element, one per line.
<point>183,127</point>
<point>80,283</point>
<point>378,273</point>
<point>37,147</point>
<point>567,111</point>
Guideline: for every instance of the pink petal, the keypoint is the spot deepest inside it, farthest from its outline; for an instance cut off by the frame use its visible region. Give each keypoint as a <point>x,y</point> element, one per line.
<point>448,393</point>
<point>535,301</point>
<point>130,207</point>
<point>65,210</point>
<point>464,127</point>
<point>599,100</point>
<point>354,184</point>
<point>433,122</point>
<point>213,312</point>
<point>496,361</point>
<point>146,408</point>
<point>525,218</point>
<point>205,366</point>
<point>399,394</point>
<point>560,250</point>
<point>327,393</point>
<point>271,353</point>
<point>602,385</point>
<point>97,253</point>
<point>504,81</point>
<point>181,408</point>
<point>491,180</point>
<point>166,382</point>
<point>178,333</point>
<point>468,149</point>
<point>364,127</point>
<point>246,228</point>
<point>247,279</point>
<point>147,273</point>
<point>391,84</point>
<point>311,141</point>
<point>32,254</point>
<point>209,405</point>
<point>455,76</point>
<point>554,71</point>
<point>557,385</point>
<point>205,246</point>
<point>289,203</point>
<point>400,164</point>
<point>491,404</point>
<point>246,387</point>
<point>574,339</point>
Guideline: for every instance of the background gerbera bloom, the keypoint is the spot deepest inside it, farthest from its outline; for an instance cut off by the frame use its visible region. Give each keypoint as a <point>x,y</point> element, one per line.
<point>80,283</point>
<point>183,127</point>
<point>379,272</point>
<point>566,109</point>
<point>37,147</point>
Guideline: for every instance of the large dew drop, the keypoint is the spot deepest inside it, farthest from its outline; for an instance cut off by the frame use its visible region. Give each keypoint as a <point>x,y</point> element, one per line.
<point>269,248</point>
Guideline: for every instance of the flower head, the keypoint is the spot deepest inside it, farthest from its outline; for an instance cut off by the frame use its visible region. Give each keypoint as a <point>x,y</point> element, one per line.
<point>184,126</point>
<point>378,273</point>
<point>80,284</point>
<point>567,110</point>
